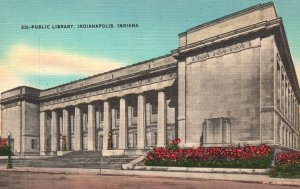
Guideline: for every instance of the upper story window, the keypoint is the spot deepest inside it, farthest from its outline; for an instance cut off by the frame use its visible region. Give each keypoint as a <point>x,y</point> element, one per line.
<point>118,113</point>
<point>154,109</point>
<point>134,111</point>
<point>32,144</point>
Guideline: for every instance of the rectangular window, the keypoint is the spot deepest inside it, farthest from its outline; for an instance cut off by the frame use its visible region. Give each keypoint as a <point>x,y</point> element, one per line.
<point>101,116</point>
<point>32,144</point>
<point>118,113</point>
<point>134,111</point>
<point>278,66</point>
<point>154,139</point>
<point>154,109</point>
<point>134,139</point>
<point>130,140</point>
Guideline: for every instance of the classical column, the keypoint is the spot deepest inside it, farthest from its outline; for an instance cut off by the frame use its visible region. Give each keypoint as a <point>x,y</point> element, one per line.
<point>288,138</point>
<point>91,127</point>
<point>141,122</point>
<point>54,133</point>
<point>182,102</point>
<point>295,112</point>
<point>123,124</point>
<point>43,133</point>
<point>284,136</point>
<point>106,124</point>
<point>161,119</point>
<point>293,140</point>
<point>280,133</point>
<point>78,129</point>
<point>66,130</point>
<point>287,100</point>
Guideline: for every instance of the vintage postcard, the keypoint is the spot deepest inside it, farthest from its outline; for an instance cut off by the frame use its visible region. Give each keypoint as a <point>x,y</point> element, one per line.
<point>164,90</point>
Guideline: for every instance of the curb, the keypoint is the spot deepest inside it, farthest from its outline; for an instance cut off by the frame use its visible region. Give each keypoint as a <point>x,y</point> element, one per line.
<point>202,170</point>
<point>263,179</point>
<point>53,170</point>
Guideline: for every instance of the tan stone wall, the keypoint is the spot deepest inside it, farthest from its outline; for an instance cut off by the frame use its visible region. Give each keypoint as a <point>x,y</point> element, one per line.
<point>227,86</point>
<point>31,131</point>
<point>267,89</point>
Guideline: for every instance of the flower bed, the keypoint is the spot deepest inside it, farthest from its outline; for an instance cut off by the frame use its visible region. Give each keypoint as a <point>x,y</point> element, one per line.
<point>239,157</point>
<point>287,161</point>
<point>4,149</point>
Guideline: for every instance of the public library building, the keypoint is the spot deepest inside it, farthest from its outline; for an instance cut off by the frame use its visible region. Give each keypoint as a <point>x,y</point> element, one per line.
<point>230,82</point>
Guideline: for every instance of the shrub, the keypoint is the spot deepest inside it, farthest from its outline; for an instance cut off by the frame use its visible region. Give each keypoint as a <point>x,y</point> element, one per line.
<point>240,157</point>
<point>4,149</point>
<point>3,142</point>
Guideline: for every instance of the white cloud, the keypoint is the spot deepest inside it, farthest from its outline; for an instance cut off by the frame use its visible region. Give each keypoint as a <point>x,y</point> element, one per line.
<point>25,60</point>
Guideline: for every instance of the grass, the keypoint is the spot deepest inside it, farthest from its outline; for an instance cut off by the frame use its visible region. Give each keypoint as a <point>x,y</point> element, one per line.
<point>294,174</point>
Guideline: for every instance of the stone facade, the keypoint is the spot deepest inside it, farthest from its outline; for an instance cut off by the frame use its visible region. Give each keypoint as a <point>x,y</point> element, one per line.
<point>231,82</point>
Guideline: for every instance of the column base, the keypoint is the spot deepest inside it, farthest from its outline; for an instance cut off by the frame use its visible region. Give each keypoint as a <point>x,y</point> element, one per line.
<point>53,153</point>
<point>44,153</point>
<point>61,153</point>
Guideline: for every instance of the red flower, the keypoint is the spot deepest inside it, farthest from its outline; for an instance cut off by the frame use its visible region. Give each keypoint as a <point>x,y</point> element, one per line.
<point>287,158</point>
<point>3,142</point>
<point>210,153</point>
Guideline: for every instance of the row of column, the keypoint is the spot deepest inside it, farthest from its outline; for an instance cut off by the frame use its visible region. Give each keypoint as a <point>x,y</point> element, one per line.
<point>123,125</point>
<point>287,103</point>
<point>286,99</point>
<point>289,138</point>
<point>141,122</point>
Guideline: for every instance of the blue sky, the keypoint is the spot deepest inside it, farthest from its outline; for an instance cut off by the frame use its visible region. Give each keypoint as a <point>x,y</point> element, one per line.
<point>46,58</point>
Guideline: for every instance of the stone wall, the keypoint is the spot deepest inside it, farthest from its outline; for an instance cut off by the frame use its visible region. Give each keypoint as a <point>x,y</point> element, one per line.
<point>31,127</point>
<point>225,86</point>
<point>267,89</point>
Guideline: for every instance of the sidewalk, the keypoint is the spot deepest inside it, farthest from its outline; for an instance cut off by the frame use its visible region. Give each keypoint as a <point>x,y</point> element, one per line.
<point>185,175</point>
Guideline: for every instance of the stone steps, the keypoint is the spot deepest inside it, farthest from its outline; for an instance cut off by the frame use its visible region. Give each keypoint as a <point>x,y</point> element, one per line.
<point>92,160</point>
<point>83,154</point>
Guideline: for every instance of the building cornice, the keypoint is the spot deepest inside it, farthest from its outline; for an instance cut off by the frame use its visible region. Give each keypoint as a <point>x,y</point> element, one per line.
<point>111,81</point>
<point>242,32</point>
<point>230,16</point>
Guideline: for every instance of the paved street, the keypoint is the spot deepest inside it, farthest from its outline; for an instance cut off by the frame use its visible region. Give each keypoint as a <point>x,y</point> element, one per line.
<point>20,180</point>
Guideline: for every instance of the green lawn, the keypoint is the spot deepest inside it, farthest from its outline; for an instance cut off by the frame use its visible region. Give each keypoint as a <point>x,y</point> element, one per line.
<point>286,174</point>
